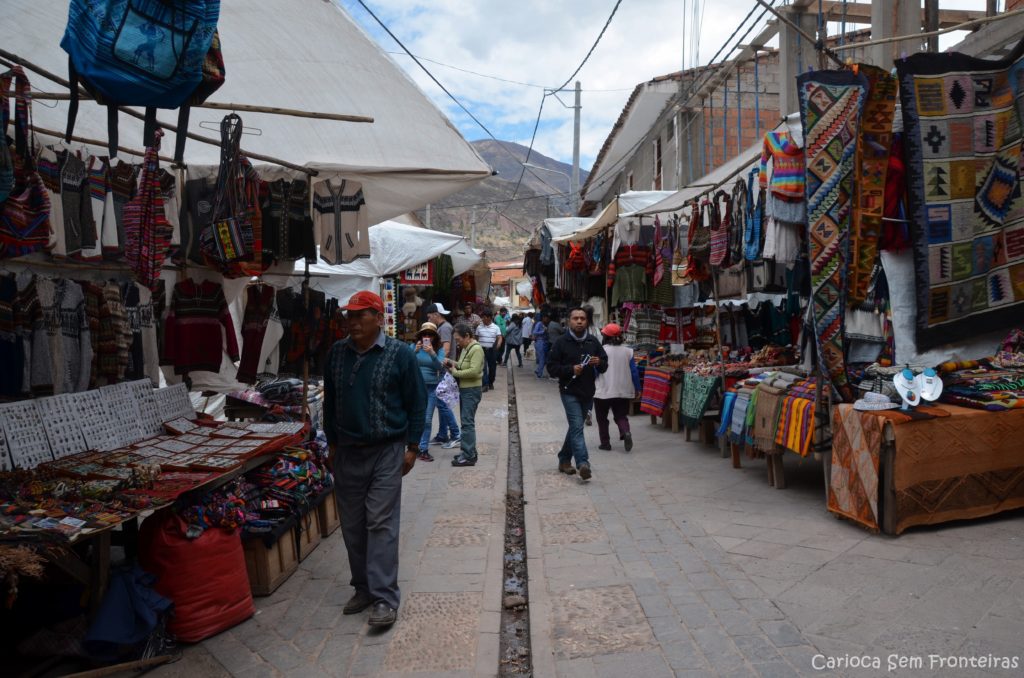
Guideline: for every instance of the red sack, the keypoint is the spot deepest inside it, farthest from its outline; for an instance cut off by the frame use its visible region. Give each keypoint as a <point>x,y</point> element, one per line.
<point>205,577</point>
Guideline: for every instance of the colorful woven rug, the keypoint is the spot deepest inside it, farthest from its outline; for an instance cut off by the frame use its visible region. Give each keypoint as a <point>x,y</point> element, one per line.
<point>657,390</point>
<point>796,424</point>
<point>830,109</point>
<point>871,162</point>
<point>697,392</point>
<point>962,119</point>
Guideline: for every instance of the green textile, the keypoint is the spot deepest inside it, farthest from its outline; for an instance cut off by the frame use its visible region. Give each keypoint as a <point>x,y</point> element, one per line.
<point>697,393</point>
<point>630,285</point>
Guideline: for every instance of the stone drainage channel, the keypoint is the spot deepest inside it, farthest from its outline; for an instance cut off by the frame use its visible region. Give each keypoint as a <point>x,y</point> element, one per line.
<point>515,658</point>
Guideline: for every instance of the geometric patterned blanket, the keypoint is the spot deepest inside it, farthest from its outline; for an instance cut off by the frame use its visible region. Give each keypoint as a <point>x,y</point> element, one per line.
<point>962,120</point>
<point>831,103</point>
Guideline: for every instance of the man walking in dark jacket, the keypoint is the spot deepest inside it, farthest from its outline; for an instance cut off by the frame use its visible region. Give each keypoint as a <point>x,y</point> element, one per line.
<point>576,359</point>
<point>374,410</point>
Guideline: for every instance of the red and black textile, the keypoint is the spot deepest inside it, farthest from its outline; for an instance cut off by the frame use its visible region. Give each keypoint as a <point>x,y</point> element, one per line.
<point>147,232</point>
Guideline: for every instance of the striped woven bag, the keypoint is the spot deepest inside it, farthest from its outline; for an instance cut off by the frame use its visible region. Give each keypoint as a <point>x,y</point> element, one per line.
<point>147,232</point>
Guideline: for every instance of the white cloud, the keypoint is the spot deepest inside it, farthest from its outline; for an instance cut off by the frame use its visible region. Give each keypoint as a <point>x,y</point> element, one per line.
<point>542,42</point>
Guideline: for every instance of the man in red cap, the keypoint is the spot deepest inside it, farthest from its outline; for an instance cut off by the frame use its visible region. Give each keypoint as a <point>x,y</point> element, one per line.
<point>374,409</point>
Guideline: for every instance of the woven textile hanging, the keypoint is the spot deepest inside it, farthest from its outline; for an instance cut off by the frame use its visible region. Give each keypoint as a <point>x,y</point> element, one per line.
<point>147,232</point>
<point>830,109</point>
<point>962,119</point>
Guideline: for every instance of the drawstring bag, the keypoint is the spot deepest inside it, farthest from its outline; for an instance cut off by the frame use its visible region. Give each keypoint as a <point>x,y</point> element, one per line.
<point>147,232</point>
<point>228,238</point>
<point>25,213</point>
<point>720,230</point>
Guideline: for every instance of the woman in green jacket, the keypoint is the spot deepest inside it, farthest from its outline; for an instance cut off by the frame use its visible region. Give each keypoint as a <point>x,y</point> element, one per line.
<point>469,371</point>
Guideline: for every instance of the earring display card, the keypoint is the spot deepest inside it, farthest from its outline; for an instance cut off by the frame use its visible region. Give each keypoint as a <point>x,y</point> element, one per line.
<point>181,425</point>
<point>224,432</point>
<point>176,446</point>
<point>284,428</point>
<point>150,422</point>
<point>99,425</point>
<point>173,402</point>
<point>119,399</point>
<point>59,417</point>
<point>26,439</point>
<point>192,439</point>
<point>5,452</point>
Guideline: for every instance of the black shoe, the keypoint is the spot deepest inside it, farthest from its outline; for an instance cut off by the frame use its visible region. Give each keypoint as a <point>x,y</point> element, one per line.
<point>463,461</point>
<point>382,614</point>
<point>604,446</point>
<point>357,603</point>
<point>589,421</point>
<point>628,441</point>
<point>567,469</point>
<point>585,471</point>
<point>425,456</point>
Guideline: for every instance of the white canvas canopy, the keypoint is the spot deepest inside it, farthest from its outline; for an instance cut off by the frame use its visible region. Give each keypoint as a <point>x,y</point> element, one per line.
<point>394,247</point>
<point>624,205</point>
<point>299,54</point>
<point>709,182</point>
<point>559,227</point>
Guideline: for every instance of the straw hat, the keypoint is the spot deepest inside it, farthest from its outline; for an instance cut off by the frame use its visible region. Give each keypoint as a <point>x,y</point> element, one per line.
<point>428,328</point>
<point>874,401</point>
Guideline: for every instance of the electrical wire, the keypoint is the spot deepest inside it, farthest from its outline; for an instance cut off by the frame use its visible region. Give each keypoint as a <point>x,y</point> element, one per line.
<point>592,47</point>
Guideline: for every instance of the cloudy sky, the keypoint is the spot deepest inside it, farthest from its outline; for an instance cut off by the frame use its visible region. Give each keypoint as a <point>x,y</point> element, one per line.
<point>535,44</point>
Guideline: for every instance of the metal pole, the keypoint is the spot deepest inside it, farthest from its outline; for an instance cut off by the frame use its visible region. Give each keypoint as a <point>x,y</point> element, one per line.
<point>428,216</point>
<point>305,350</point>
<point>575,188</point>
<point>991,7</point>
<point>739,114</point>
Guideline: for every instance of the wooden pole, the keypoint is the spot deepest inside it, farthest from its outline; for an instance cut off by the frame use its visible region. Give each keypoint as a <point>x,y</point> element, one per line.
<point>93,142</point>
<point>244,108</point>
<point>14,58</point>
<point>305,351</point>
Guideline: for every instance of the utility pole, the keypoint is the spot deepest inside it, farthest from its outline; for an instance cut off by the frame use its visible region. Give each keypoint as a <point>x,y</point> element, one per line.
<point>428,216</point>
<point>575,188</point>
<point>472,229</point>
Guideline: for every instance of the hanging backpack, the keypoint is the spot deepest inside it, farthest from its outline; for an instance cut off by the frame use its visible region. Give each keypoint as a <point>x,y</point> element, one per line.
<point>151,53</point>
<point>720,225</point>
<point>25,213</point>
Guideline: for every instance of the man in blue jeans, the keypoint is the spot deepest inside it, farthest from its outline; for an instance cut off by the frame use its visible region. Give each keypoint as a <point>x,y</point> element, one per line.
<point>576,358</point>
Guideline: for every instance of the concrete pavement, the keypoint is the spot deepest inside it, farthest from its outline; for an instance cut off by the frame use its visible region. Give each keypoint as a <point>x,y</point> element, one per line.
<point>668,563</point>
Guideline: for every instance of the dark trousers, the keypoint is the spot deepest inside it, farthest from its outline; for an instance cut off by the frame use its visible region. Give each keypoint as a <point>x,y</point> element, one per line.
<point>490,365</point>
<point>509,348</point>
<point>620,412</point>
<point>368,483</point>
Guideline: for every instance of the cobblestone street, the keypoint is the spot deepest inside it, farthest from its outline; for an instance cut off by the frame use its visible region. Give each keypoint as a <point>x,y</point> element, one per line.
<point>667,563</point>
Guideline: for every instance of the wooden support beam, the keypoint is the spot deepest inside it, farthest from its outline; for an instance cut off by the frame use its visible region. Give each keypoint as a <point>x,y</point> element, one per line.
<point>860,13</point>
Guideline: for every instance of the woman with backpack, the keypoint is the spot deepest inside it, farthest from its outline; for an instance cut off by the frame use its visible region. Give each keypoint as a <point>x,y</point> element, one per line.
<point>513,339</point>
<point>616,387</point>
<point>469,371</point>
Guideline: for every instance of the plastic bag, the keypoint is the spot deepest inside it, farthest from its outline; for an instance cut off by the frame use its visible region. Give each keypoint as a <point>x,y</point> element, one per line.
<point>448,391</point>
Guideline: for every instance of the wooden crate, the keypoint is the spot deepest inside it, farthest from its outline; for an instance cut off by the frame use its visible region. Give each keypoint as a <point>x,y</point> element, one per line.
<point>268,568</point>
<point>308,534</point>
<point>327,516</point>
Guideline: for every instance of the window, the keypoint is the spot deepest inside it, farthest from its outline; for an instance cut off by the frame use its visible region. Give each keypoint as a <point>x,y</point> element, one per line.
<point>629,181</point>
<point>672,128</point>
<point>657,165</point>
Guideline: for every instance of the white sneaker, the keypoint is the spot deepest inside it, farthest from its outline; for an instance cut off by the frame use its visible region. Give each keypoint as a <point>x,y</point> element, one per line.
<point>453,443</point>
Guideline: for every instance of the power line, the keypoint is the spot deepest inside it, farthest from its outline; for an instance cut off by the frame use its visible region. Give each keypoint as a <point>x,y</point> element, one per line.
<point>592,47</point>
<point>500,79</point>
<point>438,83</point>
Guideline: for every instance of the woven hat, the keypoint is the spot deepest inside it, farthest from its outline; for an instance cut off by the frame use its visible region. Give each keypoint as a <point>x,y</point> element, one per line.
<point>874,401</point>
<point>428,328</point>
<point>906,386</point>
<point>929,385</point>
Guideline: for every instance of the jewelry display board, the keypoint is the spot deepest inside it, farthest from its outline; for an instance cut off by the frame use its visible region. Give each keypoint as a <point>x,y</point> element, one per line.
<point>173,402</point>
<point>59,417</point>
<point>26,438</point>
<point>99,424</point>
<point>150,423</point>
<point>119,399</point>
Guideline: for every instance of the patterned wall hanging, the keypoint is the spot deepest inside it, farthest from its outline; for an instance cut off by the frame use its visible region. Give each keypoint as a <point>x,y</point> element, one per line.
<point>830,109</point>
<point>962,117</point>
<point>872,160</point>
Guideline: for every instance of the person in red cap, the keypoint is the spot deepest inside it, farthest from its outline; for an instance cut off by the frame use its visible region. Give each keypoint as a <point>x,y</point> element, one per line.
<point>618,385</point>
<point>374,409</point>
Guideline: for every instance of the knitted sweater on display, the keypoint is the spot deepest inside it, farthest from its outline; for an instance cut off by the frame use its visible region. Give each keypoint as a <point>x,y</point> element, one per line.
<point>192,332</point>
<point>788,168</point>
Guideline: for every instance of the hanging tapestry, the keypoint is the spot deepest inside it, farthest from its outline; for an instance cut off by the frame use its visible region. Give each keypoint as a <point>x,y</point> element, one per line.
<point>872,160</point>
<point>657,391</point>
<point>962,118</point>
<point>697,393</point>
<point>830,109</point>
